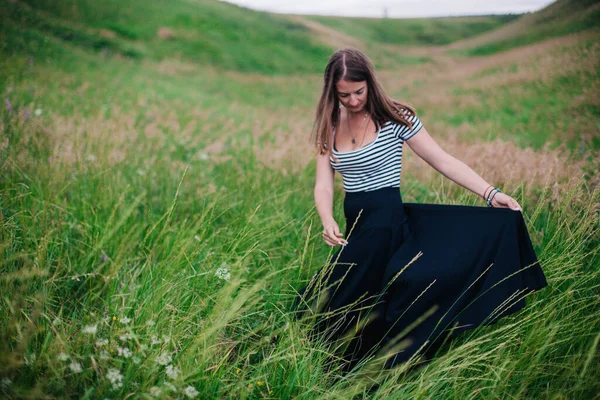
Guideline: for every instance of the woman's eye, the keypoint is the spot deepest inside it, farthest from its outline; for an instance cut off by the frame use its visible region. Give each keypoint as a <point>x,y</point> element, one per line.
<point>361,92</point>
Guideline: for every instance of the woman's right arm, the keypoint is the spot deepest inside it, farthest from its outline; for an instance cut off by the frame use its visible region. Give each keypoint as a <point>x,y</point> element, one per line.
<point>324,201</point>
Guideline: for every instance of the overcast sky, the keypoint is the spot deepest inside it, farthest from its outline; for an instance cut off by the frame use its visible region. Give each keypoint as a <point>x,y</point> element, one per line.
<point>395,8</point>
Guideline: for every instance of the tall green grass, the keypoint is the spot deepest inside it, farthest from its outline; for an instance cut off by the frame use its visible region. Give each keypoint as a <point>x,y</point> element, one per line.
<point>89,248</point>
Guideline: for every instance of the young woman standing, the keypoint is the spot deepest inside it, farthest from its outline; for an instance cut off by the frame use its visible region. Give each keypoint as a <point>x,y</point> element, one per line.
<point>407,276</point>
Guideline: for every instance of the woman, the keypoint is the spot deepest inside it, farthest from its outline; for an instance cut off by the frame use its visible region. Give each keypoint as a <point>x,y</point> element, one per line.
<point>407,276</point>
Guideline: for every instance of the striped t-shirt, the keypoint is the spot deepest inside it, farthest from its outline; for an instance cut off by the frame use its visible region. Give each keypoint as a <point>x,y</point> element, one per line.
<point>378,164</point>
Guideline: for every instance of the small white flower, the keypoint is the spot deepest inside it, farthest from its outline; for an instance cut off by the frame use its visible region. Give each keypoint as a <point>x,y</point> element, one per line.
<point>172,372</point>
<point>141,172</point>
<point>154,340</point>
<point>170,386</point>
<point>91,157</point>
<point>125,337</point>
<point>136,360</point>
<point>190,392</point>
<point>56,322</point>
<point>223,273</point>
<point>143,348</point>
<point>164,359</point>
<point>90,329</point>
<point>125,320</point>
<point>75,367</point>
<point>38,112</point>
<point>115,377</point>
<point>197,237</point>
<point>63,357</point>
<point>102,342</point>
<point>155,391</point>
<point>166,338</point>
<point>124,351</point>
<point>203,156</point>
<point>104,355</point>
<point>150,323</point>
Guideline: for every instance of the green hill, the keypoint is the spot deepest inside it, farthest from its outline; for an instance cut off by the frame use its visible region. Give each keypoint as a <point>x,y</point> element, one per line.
<point>200,31</point>
<point>415,31</point>
<point>233,38</point>
<point>559,18</point>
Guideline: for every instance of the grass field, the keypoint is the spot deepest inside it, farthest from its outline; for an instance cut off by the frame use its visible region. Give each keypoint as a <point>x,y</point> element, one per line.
<point>156,198</point>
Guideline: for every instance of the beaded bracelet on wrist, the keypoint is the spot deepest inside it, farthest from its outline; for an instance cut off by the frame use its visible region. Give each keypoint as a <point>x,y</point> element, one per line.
<point>491,196</point>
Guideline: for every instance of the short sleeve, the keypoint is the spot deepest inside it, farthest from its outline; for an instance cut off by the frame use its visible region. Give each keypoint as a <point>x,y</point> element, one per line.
<point>404,133</point>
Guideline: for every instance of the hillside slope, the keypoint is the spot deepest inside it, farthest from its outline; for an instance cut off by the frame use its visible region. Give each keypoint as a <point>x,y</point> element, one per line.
<point>559,18</point>
<point>200,31</point>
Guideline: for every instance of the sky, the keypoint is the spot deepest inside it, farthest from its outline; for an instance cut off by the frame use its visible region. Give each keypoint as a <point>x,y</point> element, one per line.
<point>395,8</point>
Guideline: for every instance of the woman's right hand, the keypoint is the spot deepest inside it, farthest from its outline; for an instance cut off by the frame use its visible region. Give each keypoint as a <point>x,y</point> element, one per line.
<point>332,235</point>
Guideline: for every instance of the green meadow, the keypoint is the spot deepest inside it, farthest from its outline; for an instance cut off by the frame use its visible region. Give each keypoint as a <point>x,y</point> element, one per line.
<point>156,196</point>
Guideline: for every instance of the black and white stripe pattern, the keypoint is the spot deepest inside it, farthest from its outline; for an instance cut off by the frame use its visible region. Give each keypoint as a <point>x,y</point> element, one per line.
<point>378,164</point>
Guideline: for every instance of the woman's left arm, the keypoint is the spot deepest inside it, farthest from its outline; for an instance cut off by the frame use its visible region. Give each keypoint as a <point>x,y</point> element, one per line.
<point>456,170</point>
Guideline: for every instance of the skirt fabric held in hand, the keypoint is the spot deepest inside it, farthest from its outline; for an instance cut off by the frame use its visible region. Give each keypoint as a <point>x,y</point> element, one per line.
<point>414,275</point>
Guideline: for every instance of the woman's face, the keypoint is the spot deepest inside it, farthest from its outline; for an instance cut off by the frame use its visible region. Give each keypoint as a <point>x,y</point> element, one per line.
<point>352,95</point>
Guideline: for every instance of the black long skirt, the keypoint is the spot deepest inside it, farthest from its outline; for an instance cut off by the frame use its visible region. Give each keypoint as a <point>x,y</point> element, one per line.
<point>415,275</point>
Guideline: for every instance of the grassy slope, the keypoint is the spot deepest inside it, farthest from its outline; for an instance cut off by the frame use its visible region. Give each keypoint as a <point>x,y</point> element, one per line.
<point>557,19</point>
<point>415,31</point>
<point>206,32</point>
<point>113,206</point>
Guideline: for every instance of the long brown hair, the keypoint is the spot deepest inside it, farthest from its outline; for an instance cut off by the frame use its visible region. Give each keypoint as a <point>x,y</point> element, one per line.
<point>353,66</point>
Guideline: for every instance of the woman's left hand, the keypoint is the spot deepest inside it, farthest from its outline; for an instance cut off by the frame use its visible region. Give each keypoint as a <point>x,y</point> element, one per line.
<point>502,200</point>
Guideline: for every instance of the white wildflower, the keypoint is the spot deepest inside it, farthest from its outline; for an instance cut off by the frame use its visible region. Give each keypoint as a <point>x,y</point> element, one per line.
<point>91,157</point>
<point>164,359</point>
<point>124,351</point>
<point>143,348</point>
<point>172,372</point>
<point>125,337</point>
<point>223,273</point>
<point>154,340</point>
<point>197,238</point>
<point>203,156</point>
<point>166,338</point>
<point>170,386</point>
<point>155,391</point>
<point>63,356</point>
<point>90,329</point>
<point>104,355</point>
<point>38,112</point>
<point>150,323</point>
<point>56,322</point>
<point>75,367</point>
<point>125,320</point>
<point>136,360</point>
<point>115,377</point>
<point>102,342</point>
<point>190,392</point>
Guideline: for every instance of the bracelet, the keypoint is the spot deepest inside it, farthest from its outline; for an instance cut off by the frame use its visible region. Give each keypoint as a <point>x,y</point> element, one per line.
<point>485,191</point>
<point>491,196</point>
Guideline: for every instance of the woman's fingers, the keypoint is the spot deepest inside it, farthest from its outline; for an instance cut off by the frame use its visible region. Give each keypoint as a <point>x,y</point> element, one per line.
<point>502,200</point>
<point>332,236</point>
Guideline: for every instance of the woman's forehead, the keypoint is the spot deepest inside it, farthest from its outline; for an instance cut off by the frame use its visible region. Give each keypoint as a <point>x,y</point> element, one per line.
<point>344,86</point>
